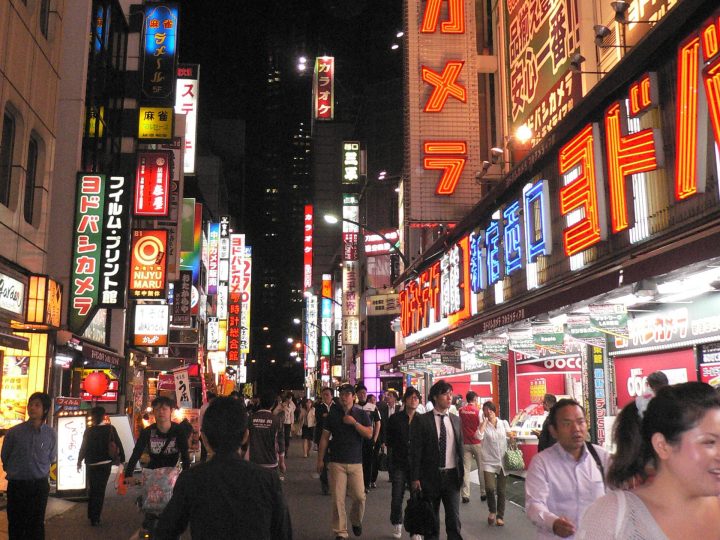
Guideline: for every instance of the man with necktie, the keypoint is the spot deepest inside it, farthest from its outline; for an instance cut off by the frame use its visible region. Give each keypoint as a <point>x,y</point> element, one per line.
<point>436,463</point>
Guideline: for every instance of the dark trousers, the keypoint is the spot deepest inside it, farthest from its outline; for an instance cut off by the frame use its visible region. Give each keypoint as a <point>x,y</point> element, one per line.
<point>368,462</point>
<point>399,478</point>
<point>26,503</point>
<point>450,497</point>
<point>376,461</point>
<point>286,432</point>
<point>97,479</point>
<point>324,475</point>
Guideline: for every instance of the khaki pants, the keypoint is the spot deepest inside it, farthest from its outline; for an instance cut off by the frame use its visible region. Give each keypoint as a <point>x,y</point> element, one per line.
<point>470,452</point>
<point>346,479</point>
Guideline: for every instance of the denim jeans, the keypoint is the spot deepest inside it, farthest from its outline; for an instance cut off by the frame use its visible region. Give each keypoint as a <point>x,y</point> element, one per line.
<point>399,479</point>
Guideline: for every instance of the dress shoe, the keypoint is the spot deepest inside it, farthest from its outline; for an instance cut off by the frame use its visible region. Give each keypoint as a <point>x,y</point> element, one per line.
<point>465,500</point>
<point>491,519</point>
<point>357,530</point>
<point>483,498</point>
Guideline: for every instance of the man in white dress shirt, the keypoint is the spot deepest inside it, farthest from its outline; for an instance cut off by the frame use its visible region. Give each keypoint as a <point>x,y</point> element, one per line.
<point>564,480</point>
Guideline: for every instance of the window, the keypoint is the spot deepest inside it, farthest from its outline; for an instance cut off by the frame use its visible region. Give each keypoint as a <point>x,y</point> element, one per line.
<point>30,180</point>
<point>6,153</point>
<point>44,17</point>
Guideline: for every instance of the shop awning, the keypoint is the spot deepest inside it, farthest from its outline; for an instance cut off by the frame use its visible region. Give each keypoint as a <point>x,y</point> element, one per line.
<point>11,341</point>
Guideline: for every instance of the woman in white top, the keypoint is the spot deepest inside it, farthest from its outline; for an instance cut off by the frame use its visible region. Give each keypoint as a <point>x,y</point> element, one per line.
<point>308,425</point>
<point>666,472</point>
<point>494,433</point>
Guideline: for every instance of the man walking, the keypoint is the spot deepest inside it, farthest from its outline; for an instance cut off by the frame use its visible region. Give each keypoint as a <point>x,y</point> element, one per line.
<point>398,441</point>
<point>27,452</point>
<point>348,425</point>
<point>266,440</point>
<point>472,445</point>
<point>368,449</point>
<point>566,478</point>
<point>545,439</point>
<point>436,466</point>
<point>321,413</point>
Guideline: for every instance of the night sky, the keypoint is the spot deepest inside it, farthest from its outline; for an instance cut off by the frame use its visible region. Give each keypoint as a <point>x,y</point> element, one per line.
<point>228,41</point>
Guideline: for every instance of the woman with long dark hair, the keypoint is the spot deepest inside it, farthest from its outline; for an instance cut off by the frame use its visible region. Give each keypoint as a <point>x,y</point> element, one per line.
<point>666,472</point>
<point>95,452</point>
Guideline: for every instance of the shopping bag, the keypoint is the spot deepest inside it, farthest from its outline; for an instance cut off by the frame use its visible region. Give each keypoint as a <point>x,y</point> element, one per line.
<point>513,459</point>
<point>120,483</point>
<point>158,487</point>
<point>419,516</point>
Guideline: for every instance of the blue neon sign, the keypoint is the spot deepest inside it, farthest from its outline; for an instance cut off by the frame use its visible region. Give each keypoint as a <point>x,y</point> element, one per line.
<point>536,205</point>
<point>492,242</point>
<point>477,262</point>
<point>512,234</point>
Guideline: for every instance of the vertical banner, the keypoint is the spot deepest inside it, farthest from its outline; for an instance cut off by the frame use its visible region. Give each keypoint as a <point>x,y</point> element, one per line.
<point>351,271</point>
<point>233,329</point>
<point>352,166</point>
<point>213,268</point>
<point>324,88</point>
<point>245,296</point>
<point>183,299</point>
<point>152,184</point>
<point>308,247</point>
<point>235,287</point>
<point>186,102</point>
<point>116,225</point>
<point>159,62</point>
<point>311,331</point>
<point>190,242</point>
<point>326,315</point>
<point>87,249</point>
<point>182,389</point>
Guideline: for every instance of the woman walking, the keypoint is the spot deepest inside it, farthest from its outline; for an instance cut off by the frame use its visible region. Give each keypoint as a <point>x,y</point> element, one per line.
<point>494,434</point>
<point>95,451</point>
<point>308,426</point>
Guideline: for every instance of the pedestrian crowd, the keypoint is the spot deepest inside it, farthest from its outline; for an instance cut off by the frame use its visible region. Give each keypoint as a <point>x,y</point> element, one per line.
<point>662,482</point>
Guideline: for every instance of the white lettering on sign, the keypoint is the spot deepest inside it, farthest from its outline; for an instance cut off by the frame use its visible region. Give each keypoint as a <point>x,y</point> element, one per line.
<point>12,294</point>
<point>636,382</point>
<point>563,363</point>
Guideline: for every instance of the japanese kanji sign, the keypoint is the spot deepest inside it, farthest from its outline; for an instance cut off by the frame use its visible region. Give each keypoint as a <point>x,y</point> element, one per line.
<point>160,33</point>
<point>147,264</point>
<point>155,124</point>
<point>152,184</point>
<point>308,247</point>
<point>151,325</point>
<point>115,235</point>
<point>186,102</point>
<point>183,299</point>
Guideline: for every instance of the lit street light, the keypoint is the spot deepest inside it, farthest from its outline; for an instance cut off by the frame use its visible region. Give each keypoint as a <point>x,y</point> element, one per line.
<point>332,220</point>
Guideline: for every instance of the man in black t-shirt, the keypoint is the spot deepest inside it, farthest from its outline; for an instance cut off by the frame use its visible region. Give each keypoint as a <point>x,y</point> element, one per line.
<point>348,425</point>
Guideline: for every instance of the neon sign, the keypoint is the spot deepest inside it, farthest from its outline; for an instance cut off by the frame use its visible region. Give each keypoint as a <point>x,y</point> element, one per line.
<point>477,262</point>
<point>492,244</point>
<point>512,240</point>
<point>536,206</point>
<point>456,17</point>
<point>445,84</point>
<point>452,167</point>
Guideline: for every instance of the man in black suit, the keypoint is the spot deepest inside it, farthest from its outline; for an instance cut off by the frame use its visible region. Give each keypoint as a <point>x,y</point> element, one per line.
<point>436,463</point>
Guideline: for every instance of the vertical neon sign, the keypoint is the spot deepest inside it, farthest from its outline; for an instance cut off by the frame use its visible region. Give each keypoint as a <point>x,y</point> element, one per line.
<point>536,206</point>
<point>492,244</point>
<point>512,238</point>
<point>477,262</point>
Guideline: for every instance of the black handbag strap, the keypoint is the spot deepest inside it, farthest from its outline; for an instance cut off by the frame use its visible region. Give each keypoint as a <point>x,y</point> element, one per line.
<point>595,456</point>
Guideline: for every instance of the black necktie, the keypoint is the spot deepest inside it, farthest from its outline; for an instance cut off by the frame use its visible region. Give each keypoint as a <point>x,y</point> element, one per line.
<point>442,441</point>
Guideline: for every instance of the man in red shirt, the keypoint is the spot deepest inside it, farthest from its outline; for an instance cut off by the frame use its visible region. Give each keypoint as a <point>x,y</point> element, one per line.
<point>470,419</point>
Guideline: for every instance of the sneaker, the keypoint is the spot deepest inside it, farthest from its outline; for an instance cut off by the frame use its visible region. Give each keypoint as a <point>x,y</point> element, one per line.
<point>372,485</point>
<point>397,531</point>
<point>465,500</point>
<point>357,530</point>
<point>416,537</point>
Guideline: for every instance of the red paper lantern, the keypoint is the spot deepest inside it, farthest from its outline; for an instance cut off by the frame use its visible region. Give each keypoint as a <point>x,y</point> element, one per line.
<point>96,384</point>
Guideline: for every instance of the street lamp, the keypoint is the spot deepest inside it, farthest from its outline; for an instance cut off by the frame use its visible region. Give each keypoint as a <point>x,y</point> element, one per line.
<point>332,220</point>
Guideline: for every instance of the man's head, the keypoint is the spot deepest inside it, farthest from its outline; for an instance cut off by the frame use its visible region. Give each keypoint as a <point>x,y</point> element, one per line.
<point>411,399</point>
<point>97,414</point>
<point>224,425</point>
<point>656,380</point>
<point>471,397</point>
<point>441,394</point>
<point>568,425</point>
<point>267,400</point>
<point>372,399</point>
<point>38,406</point>
<point>326,395</point>
<point>347,395</point>
<point>391,398</point>
<point>548,401</point>
<point>162,408</point>
<point>361,392</point>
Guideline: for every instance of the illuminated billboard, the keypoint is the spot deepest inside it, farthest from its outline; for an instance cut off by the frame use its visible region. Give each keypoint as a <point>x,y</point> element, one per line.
<point>324,88</point>
<point>186,102</point>
<point>308,247</point>
<point>152,184</point>
<point>159,52</point>
<point>147,263</point>
<point>151,325</point>
<point>155,124</point>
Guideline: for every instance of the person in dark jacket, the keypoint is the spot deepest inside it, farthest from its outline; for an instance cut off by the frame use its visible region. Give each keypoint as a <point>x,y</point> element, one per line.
<point>95,452</point>
<point>545,438</point>
<point>213,497</point>
<point>397,439</point>
<point>321,414</point>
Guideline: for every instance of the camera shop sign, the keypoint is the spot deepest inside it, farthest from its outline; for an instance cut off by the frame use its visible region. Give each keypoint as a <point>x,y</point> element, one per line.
<point>599,157</point>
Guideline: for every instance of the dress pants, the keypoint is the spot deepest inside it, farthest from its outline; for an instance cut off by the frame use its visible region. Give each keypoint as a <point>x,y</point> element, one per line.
<point>97,479</point>
<point>368,462</point>
<point>450,497</point>
<point>346,479</point>
<point>470,452</point>
<point>26,503</point>
<point>324,483</point>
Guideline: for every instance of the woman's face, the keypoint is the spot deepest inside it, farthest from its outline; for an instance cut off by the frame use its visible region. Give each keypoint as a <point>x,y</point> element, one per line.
<point>696,458</point>
<point>488,413</point>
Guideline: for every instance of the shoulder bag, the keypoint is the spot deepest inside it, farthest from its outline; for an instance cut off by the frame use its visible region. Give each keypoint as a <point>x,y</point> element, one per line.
<point>112,447</point>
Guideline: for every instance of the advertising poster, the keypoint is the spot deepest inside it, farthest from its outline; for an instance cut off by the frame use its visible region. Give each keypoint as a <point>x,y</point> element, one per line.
<point>151,325</point>
<point>147,264</point>
<point>70,430</point>
<point>152,184</point>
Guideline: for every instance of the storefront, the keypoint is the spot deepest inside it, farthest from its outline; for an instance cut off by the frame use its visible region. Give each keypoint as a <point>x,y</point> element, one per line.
<point>594,243</point>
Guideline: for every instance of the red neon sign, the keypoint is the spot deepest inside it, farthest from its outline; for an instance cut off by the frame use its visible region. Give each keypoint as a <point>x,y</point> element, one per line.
<point>444,160</point>
<point>418,298</point>
<point>456,17</point>
<point>686,126</point>
<point>445,84</point>
<point>582,192</point>
<point>152,182</point>
<point>308,247</point>
<point>643,94</point>
<point>626,155</point>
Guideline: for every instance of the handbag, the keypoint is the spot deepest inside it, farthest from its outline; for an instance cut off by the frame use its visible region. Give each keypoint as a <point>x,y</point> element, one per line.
<point>382,460</point>
<point>419,515</point>
<point>113,450</point>
<point>513,459</point>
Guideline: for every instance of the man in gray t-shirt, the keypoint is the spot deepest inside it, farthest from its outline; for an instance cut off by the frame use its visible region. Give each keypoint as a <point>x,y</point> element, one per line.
<point>266,443</point>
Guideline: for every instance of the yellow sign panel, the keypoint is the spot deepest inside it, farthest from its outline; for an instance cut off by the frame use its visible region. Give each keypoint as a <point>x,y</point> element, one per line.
<point>155,123</point>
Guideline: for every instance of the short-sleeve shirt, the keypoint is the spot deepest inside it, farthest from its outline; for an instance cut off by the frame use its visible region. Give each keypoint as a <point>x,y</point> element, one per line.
<point>346,442</point>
